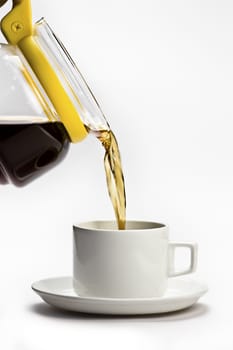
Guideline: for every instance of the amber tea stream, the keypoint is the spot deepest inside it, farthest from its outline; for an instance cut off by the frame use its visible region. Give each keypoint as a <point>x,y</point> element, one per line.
<point>114,175</point>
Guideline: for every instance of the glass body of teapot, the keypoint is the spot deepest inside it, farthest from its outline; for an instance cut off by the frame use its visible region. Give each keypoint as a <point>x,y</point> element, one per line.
<point>45,104</point>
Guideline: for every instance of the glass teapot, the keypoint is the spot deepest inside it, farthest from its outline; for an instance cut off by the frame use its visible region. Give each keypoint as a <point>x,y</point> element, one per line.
<point>45,104</point>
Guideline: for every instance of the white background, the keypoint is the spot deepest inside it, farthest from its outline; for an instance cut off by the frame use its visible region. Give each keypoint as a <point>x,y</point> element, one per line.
<point>163,74</point>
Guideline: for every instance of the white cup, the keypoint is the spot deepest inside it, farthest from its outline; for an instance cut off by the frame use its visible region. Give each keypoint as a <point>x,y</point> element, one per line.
<point>131,263</point>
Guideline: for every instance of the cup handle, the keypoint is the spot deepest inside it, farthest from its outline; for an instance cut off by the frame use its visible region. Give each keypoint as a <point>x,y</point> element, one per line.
<point>171,258</point>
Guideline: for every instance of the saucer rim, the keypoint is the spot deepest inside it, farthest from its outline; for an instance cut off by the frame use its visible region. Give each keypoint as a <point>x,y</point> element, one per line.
<point>203,289</point>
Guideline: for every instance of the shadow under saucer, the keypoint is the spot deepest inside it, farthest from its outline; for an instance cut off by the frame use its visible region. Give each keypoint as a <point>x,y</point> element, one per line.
<point>45,310</point>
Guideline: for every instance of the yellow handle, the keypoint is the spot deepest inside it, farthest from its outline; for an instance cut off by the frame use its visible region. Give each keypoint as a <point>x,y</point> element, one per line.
<point>17,28</point>
<point>17,24</point>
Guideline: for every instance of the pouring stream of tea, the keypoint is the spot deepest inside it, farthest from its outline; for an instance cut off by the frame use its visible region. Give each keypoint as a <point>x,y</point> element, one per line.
<point>114,176</point>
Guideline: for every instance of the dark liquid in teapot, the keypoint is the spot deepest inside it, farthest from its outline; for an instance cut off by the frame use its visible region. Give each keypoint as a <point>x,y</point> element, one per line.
<point>29,150</point>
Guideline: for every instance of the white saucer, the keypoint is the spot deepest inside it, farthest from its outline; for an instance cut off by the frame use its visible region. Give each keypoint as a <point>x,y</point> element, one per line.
<point>181,293</point>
